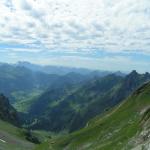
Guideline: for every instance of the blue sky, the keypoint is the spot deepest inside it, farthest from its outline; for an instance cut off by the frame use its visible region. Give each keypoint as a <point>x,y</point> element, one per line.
<point>101,34</point>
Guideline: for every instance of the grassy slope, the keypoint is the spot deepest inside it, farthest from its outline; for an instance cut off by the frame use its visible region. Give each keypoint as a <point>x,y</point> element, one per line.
<point>114,131</point>
<point>24,100</point>
<point>14,138</point>
<point>72,108</point>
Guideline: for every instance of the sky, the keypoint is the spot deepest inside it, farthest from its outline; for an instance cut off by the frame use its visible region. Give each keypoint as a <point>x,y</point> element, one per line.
<point>97,34</point>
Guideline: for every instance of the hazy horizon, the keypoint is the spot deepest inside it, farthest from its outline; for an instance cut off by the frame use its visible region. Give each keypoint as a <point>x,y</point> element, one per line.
<point>71,67</point>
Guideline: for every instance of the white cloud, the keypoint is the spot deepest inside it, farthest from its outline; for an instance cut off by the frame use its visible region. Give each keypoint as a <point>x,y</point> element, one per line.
<point>110,25</point>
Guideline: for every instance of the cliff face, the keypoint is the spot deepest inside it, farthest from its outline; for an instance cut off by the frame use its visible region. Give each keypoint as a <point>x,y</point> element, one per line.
<point>142,140</point>
<point>7,112</point>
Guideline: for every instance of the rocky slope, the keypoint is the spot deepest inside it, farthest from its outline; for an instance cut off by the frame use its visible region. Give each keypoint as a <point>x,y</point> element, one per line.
<point>7,112</point>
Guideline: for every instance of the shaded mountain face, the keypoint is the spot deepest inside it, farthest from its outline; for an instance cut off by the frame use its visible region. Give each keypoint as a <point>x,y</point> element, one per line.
<point>18,81</point>
<point>7,112</point>
<point>60,70</point>
<point>71,108</point>
<point>59,107</point>
<point>126,127</point>
<point>22,79</point>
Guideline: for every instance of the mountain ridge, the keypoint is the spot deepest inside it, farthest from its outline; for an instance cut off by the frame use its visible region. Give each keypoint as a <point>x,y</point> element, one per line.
<point>125,127</point>
<point>74,109</point>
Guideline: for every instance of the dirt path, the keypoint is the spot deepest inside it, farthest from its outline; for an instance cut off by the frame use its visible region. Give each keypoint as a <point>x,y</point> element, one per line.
<point>6,138</point>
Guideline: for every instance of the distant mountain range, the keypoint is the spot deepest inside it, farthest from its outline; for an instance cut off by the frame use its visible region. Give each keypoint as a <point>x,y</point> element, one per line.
<point>67,101</point>
<point>97,110</point>
<point>70,108</point>
<point>14,78</point>
<point>26,77</point>
<point>59,70</point>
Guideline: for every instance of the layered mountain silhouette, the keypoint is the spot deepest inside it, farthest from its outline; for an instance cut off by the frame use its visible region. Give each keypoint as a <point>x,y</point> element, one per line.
<point>71,108</point>
<point>97,110</point>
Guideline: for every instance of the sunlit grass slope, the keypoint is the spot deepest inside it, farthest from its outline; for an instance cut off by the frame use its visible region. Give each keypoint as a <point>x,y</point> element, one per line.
<point>118,129</point>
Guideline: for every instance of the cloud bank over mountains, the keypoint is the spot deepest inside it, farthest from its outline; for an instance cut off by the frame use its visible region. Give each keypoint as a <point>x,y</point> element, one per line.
<point>81,28</point>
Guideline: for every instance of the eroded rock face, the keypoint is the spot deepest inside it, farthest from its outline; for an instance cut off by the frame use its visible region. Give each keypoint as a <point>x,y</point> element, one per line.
<point>142,140</point>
